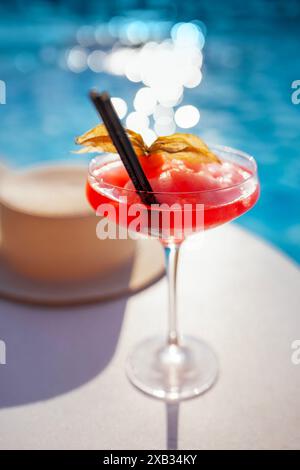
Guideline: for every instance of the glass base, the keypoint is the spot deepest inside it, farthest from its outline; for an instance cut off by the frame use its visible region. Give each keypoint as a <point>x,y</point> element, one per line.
<point>172,372</point>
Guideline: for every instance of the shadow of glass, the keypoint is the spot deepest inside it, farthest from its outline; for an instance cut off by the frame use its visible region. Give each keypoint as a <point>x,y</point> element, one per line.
<point>51,351</point>
<point>172,415</point>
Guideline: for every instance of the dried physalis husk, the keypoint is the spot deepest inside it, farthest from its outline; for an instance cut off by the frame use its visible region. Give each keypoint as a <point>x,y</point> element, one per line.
<point>184,147</point>
<point>180,146</point>
<point>98,140</point>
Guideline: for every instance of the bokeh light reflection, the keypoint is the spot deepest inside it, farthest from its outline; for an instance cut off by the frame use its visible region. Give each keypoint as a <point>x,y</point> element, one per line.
<point>164,67</point>
<point>120,106</point>
<point>187,116</point>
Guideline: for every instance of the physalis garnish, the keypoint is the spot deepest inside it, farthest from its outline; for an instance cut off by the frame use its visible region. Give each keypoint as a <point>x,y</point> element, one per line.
<point>187,147</point>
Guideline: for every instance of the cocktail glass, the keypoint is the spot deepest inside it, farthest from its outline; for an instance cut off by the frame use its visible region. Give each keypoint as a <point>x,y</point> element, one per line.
<point>175,367</point>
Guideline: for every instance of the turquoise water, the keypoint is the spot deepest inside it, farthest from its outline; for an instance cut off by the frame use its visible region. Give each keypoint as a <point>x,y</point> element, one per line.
<point>251,59</point>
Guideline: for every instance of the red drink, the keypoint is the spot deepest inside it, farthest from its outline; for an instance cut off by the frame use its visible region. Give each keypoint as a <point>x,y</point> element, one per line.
<point>221,191</point>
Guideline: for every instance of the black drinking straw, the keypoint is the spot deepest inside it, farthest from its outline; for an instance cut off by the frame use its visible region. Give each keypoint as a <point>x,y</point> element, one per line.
<point>123,145</point>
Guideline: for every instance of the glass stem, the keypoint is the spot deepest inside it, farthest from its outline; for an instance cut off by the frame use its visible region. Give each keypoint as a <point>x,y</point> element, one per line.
<point>171,260</point>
